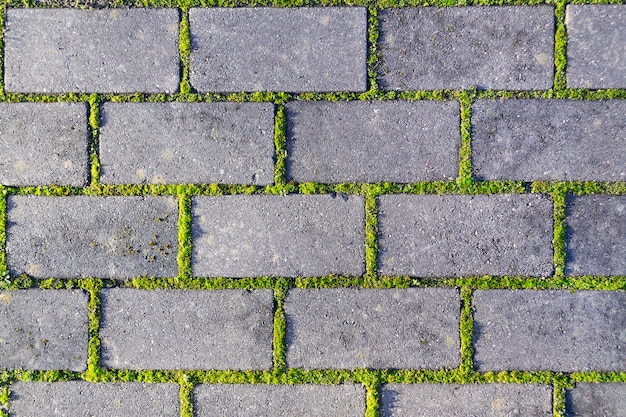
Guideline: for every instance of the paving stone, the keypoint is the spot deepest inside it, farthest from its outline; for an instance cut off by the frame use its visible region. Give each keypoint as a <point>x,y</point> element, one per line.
<point>397,141</point>
<point>256,400</point>
<point>500,48</point>
<point>596,400</point>
<point>43,330</point>
<point>274,49</point>
<point>596,235</point>
<point>83,236</point>
<point>101,51</point>
<point>477,400</point>
<point>215,143</point>
<point>44,144</point>
<point>596,35</point>
<point>294,235</point>
<point>368,328</point>
<point>80,398</point>
<point>549,330</point>
<point>160,329</point>
<point>549,140</point>
<point>457,235</point>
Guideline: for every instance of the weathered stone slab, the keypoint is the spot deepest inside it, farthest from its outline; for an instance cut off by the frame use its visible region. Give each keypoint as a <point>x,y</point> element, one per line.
<point>596,400</point>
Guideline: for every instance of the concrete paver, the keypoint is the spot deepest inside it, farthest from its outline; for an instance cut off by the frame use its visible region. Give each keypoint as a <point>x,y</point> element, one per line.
<point>596,400</point>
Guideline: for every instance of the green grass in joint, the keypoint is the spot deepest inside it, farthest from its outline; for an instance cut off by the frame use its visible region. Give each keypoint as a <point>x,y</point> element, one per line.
<point>2,20</point>
<point>93,286</point>
<point>465,150</point>
<point>4,274</point>
<point>466,330</point>
<point>184,43</point>
<point>184,238</point>
<point>558,397</point>
<point>371,237</point>
<point>94,124</point>
<point>280,326</point>
<point>372,56</point>
<point>186,396</point>
<point>560,47</point>
<point>280,144</point>
<point>559,196</point>
<point>371,380</point>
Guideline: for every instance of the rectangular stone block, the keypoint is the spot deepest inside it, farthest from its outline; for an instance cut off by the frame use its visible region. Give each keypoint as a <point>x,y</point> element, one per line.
<point>457,235</point>
<point>494,48</point>
<point>278,49</point>
<point>373,328</point>
<point>596,35</point>
<point>476,400</point>
<point>161,329</point>
<point>294,235</point>
<point>396,141</point>
<point>80,398</point>
<point>596,400</point>
<point>346,400</point>
<point>187,143</point>
<point>549,330</point>
<point>44,144</point>
<point>549,140</point>
<point>43,330</point>
<point>595,239</point>
<point>100,51</point>
<point>83,236</point>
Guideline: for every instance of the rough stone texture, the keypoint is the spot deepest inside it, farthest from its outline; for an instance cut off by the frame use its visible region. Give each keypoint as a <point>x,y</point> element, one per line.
<point>430,48</point>
<point>43,144</point>
<point>214,143</point>
<point>596,400</point>
<point>549,330</point>
<point>367,328</point>
<point>596,235</point>
<point>397,141</point>
<point>279,400</point>
<point>101,51</point>
<point>160,329</point>
<point>596,35</point>
<point>83,236</point>
<point>456,235</point>
<point>272,49</point>
<point>551,140</point>
<point>293,235</point>
<point>43,329</point>
<point>476,400</point>
<point>80,398</point>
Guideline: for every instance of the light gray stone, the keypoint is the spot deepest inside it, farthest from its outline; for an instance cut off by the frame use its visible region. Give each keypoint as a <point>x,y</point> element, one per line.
<point>596,235</point>
<point>596,35</point>
<point>80,398</point>
<point>44,144</point>
<point>499,48</point>
<point>83,236</point>
<point>187,143</point>
<point>278,49</point>
<point>549,140</point>
<point>457,235</point>
<point>161,329</point>
<point>549,330</point>
<point>476,400</point>
<point>43,330</point>
<point>373,328</point>
<point>294,235</point>
<point>396,141</point>
<point>346,400</point>
<point>596,400</point>
<point>101,51</point>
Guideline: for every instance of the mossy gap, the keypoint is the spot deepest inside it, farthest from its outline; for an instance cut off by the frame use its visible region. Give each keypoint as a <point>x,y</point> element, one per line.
<point>466,332</point>
<point>184,238</point>
<point>4,270</point>
<point>372,51</point>
<point>3,8</point>
<point>558,243</point>
<point>280,145</point>
<point>184,44</point>
<point>186,396</point>
<point>280,326</point>
<point>558,397</point>
<point>371,237</point>
<point>465,149</point>
<point>560,47</point>
<point>94,142</point>
<point>93,286</point>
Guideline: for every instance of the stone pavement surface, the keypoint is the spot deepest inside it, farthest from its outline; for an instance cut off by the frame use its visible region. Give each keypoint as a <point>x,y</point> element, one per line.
<point>344,210</point>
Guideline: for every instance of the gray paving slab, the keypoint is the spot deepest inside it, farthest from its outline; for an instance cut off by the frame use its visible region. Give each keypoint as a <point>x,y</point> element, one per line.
<point>595,239</point>
<point>346,400</point>
<point>278,49</point>
<point>373,328</point>
<point>499,48</point>
<point>396,141</point>
<point>549,140</point>
<point>294,235</point>
<point>101,51</point>
<point>229,143</point>
<point>83,236</point>
<point>596,400</point>
<point>44,144</point>
<point>43,330</point>
<point>174,329</point>
<point>81,398</point>
<point>476,400</point>
<point>596,35</point>
<point>549,330</point>
<point>457,235</point>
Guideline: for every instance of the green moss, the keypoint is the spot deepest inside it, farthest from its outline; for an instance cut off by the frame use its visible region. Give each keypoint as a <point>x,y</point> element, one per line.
<point>184,43</point>
<point>186,396</point>
<point>371,237</point>
<point>466,332</point>
<point>280,326</point>
<point>184,237</point>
